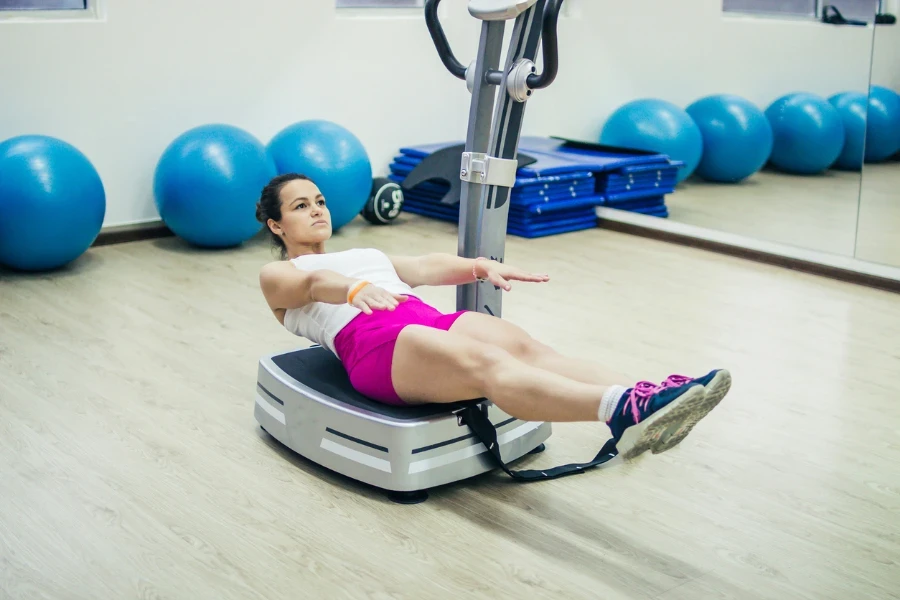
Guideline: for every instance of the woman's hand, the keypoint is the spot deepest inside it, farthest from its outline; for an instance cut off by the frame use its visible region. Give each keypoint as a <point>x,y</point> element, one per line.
<point>500,274</point>
<point>371,298</point>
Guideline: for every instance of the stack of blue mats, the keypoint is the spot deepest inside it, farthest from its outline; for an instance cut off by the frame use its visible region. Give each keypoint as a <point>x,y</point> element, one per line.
<point>538,206</point>
<point>625,179</point>
<point>640,189</point>
<point>558,192</point>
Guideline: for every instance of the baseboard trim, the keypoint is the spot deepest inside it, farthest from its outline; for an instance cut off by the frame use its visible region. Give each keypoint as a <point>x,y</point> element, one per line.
<point>138,232</point>
<point>854,271</point>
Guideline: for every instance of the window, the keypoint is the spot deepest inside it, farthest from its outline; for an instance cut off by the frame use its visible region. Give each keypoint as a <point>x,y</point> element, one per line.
<point>377,3</point>
<point>862,10</point>
<point>43,4</point>
<point>854,10</point>
<point>799,8</point>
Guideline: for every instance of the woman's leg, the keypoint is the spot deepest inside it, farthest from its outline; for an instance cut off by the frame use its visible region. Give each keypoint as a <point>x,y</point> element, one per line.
<point>519,343</point>
<point>432,365</point>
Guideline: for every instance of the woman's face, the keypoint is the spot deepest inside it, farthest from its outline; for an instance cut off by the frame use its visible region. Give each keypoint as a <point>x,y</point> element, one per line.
<point>304,217</point>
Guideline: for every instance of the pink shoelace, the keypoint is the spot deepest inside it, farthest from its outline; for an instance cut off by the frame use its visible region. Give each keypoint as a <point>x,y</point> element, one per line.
<point>644,390</point>
<point>676,381</point>
<point>640,398</point>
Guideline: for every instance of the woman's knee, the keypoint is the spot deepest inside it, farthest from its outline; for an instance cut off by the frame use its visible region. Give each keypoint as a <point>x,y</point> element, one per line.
<point>484,364</point>
<point>496,369</point>
<point>520,349</point>
<point>529,350</point>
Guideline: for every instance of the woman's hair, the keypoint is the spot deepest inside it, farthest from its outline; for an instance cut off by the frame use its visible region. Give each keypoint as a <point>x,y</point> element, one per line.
<point>269,206</point>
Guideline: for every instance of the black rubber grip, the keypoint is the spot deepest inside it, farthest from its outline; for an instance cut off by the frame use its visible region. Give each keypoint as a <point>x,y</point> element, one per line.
<point>440,40</point>
<point>549,45</point>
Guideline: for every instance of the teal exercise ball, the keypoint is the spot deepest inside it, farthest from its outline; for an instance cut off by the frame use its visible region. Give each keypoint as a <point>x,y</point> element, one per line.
<point>207,183</point>
<point>333,158</point>
<point>52,203</point>
<point>808,133</point>
<point>883,130</point>
<point>737,137</point>
<point>656,126</point>
<point>852,108</point>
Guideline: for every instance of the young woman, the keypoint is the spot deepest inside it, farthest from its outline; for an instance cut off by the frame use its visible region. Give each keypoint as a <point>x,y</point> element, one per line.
<point>397,349</point>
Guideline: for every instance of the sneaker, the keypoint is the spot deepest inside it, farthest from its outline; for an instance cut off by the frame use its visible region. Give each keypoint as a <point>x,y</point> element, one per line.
<point>648,415</point>
<point>679,380</point>
<point>716,385</point>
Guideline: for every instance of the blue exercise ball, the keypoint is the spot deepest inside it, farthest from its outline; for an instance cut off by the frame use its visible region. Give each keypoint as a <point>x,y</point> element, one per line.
<point>333,158</point>
<point>207,184</point>
<point>52,203</point>
<point>808,133</point>
<point>852,107</point>
<point>883,131</point>
<point>656,126</point>
<point>737,137</point>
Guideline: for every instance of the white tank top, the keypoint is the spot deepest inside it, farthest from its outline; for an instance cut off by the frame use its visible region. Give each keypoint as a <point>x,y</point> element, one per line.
<point>320,322</point>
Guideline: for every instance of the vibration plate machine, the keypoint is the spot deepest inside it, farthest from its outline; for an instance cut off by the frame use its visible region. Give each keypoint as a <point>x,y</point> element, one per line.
<point>304,398</point>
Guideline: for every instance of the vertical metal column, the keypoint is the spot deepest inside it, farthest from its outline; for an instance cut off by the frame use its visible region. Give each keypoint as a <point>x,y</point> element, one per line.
<point>507,126</point>
<point>488,165</point>
<point>478,139</point>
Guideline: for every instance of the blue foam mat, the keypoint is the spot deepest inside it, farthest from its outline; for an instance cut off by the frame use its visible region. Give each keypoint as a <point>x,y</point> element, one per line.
<point>523,185</point>
<point>512,221</point>
<point>431,192</point>
<point>407,163</point>
<point>538,204</point>
<point>513,217</point>
<point>542,230</point>
<point>545,208</point>
<point>626,196</point>
<point>440,188</point>
<point>615,179</point>
<point>560,189</point>
<point>551,207</point>
<point>637,170</point>
<point>637,205</point>
<point>552,159</point>
<point>624,184</point>
<point>518,217</point>
<point>626,189</point>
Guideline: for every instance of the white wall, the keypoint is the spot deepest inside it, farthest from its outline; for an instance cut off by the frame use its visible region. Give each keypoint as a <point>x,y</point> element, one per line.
<point>886,55</point>
<point>122,89</point>
<point>681,51</point>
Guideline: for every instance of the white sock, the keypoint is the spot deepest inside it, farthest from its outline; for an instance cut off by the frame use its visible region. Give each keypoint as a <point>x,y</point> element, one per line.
<point>610,400</point>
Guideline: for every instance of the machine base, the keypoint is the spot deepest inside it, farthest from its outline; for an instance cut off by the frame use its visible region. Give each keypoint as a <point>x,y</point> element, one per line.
<point>408,497</point>
<point>305,401</point>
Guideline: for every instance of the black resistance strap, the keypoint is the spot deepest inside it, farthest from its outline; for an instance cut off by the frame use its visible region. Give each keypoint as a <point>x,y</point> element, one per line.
<point>476,418</point>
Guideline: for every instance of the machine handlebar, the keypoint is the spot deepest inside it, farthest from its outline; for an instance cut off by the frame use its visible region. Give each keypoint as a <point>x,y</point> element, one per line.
<point>550,47</point>
<point>440,40</point>
<point>549,44</point>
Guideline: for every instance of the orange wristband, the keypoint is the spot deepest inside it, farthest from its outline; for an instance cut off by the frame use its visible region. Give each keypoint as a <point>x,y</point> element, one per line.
<point>355,290</point>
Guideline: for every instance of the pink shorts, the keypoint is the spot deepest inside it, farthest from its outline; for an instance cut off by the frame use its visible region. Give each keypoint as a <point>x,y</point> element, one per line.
<point>366,345</point>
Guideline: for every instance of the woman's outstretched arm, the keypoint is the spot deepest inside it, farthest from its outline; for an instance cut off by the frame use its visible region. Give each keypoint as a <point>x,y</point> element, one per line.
<point>448,269</point>
<point>285,287</point>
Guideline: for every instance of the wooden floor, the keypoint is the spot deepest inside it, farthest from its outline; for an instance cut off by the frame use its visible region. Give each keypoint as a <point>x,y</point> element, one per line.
<point>838,212</point>
<point>879,214</point>
<point>131,465</point>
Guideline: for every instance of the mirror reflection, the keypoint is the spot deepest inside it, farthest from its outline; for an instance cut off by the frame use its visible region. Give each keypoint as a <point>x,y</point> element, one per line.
<point>878,237</point>
<point>768,123</point>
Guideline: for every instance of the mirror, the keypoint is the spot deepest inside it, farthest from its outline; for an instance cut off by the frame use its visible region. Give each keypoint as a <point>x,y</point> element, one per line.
<point>878,235</point>
<point>760,119</point>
